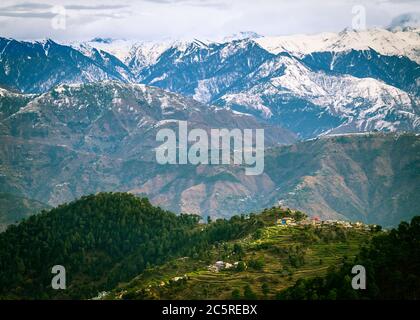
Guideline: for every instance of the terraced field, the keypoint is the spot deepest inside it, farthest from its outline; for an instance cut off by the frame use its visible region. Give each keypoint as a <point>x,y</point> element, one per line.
<point>274,258</point>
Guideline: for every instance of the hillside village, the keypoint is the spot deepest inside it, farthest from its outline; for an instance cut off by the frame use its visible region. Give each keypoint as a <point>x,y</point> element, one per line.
<point>286,218</point>
<point>274,249</point>
<point>315,221</point>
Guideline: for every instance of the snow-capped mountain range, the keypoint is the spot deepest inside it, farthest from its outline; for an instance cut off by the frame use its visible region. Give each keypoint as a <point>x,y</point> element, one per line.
<point>80,118</point>
<point>352,81</point>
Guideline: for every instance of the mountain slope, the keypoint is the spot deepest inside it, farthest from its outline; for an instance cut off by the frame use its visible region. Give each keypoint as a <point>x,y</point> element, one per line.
<point>73,139</point>
<point>385,42</point>
<point>336,82</point>
<point>393,273</point>
<point>87,138</point>
<point>108,228</point>
<point>311,103</point>
<point>14,208</point>
<point>34,67</point>
<point>397,71</point>
<point>257,266</point>
<point>351,81</point>
<point>76,140</point>
<point>101,240</point>
<point>203,70</point>
<point>372,178</point>
<point>333,83</point>
<point>106,117</point>
<point>11,102</point>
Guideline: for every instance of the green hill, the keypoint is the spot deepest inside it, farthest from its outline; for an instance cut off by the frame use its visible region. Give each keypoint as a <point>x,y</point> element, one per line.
<point>101,240</point>
<point>267,261</point>
<point>118,246</point>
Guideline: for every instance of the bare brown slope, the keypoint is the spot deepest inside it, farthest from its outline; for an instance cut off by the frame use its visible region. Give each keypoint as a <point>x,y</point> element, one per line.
<point>374,178</point>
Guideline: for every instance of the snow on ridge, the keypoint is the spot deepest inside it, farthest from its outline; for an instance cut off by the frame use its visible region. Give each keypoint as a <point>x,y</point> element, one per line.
<point>299,44</point>
<point>138,55</point>
<point>364,102</point>
<point>118,48</point>
<point>4,92</point>
<point>143,54</point>
<point>385,42</point>
<point>250,101</point>
<point>241,36</point>
<point>165,122</point>
<point>339,92</point>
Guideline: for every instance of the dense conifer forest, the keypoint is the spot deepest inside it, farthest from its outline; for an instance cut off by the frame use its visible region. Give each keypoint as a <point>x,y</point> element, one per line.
<point>101,240</point>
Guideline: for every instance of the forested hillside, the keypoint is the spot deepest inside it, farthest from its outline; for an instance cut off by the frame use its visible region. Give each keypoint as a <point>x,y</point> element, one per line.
<point>256,266</point>
<point>100,240</point>
<point>120,244</point>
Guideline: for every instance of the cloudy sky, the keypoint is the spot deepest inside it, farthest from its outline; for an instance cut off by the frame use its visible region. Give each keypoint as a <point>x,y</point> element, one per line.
<point>162,19</point>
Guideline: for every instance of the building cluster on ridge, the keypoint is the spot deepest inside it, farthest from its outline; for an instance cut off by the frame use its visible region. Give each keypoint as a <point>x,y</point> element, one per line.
<point>316,221</point>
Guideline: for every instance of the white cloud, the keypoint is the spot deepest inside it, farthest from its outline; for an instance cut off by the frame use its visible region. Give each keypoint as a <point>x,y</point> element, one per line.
<point>156,19</point>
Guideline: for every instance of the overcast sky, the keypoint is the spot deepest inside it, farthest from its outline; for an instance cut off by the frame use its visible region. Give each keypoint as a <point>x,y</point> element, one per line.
<point>160,19</point>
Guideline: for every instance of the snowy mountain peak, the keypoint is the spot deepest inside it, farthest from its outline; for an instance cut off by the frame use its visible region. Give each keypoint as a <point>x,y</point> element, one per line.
<point>405,43</point>
<point>242,35</point>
